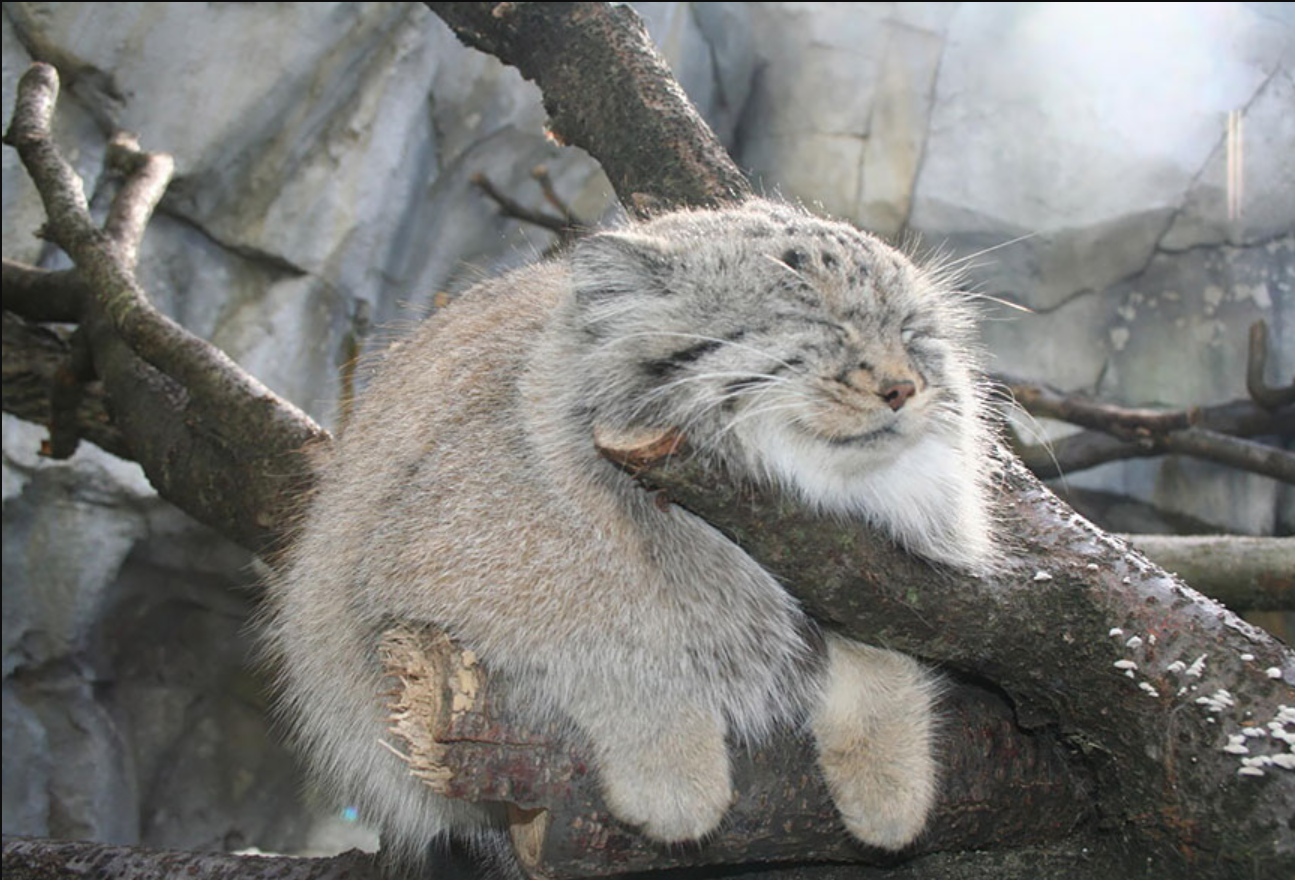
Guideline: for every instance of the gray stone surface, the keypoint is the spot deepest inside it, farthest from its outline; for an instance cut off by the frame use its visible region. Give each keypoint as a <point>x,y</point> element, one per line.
<point>323,155</point>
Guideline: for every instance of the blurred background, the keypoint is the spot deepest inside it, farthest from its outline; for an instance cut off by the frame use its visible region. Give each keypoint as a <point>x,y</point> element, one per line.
<point>1142,153</point>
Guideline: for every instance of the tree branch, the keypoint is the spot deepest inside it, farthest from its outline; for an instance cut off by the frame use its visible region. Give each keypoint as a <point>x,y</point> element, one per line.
<point>211,438</point>
<point>1257,365</point>
<point>36,360</point>
<point>42,295</point>
<point>1213,433</point>
<point>638,123</point>
<point>1241,572</point>
<point>1002,786</point>
<point>35,859</point>
<point>510,207</point>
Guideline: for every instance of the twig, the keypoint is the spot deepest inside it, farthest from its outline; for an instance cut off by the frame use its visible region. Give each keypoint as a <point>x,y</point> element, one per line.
<point>541,175</point>
<point>514,209</point>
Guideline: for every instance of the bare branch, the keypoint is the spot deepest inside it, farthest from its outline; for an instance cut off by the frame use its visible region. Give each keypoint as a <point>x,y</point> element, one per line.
<point>210,437</point>
<point>147,175</point>
<point>541,175</point>
<point>1210,433</point>
<point>1246,455</point>
<point>608,91</point>
<point>1124,422</point>
<point>517,211</point>
<point>1050,628</point>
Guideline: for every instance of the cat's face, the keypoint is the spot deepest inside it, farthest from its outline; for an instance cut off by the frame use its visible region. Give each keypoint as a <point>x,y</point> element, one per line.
<point>800,350</point>
<point>763,325</point>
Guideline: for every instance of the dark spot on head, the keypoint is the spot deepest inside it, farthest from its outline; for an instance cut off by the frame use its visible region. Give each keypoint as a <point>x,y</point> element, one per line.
<point>790,229</point>
<point>758,232</point>
<point>794,258</point>
<point>829,259</point>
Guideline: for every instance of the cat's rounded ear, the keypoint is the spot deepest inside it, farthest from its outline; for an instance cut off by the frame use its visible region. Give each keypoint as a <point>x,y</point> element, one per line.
<point>613,264</point>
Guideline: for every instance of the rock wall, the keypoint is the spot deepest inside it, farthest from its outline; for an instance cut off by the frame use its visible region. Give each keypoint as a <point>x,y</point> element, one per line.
<point>322,201</point>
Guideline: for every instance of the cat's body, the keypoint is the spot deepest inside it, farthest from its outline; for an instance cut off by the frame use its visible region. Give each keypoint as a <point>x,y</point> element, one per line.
<point>467,492</point>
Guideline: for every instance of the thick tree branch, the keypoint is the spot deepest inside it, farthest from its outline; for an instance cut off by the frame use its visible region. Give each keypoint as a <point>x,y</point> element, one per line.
<point>1072,611</point>
<point>637,122</point>
<point>34,859</point>
<point>1001,786</point>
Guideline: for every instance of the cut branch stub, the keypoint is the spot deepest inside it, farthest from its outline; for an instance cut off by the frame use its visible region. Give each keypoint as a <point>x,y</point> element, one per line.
<point>463,736</point>
<point>633,450</point>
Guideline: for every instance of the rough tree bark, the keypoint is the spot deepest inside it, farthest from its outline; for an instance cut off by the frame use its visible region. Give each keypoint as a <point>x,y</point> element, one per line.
<point>1127,686</point>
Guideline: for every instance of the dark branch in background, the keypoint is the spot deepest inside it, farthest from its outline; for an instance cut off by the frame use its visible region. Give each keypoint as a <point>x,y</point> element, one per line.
<point>1215,433</point>
<point>541,175</point>
<point>608,91</point>
<point>1256,366</point>
<point>42,295</point>
<point>1041,629</point>
<point>564,228</point>
<point>35,361</point>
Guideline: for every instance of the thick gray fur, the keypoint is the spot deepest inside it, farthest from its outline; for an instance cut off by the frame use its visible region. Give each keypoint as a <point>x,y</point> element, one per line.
<point>467,492</point>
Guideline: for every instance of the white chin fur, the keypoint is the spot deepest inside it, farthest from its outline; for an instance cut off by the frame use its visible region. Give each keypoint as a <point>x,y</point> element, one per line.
<point>926,492</point>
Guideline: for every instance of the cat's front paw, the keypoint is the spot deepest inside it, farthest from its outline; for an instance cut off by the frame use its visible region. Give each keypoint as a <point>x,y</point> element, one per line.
<point>882,804</point>
<point>873,729</point>
<point>675,785</point>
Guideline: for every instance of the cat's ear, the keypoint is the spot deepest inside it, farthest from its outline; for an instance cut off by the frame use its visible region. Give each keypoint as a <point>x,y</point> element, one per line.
<point>612,264</point>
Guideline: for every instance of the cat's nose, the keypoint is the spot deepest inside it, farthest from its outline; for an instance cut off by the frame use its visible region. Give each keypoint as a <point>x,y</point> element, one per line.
<point>896,394</point>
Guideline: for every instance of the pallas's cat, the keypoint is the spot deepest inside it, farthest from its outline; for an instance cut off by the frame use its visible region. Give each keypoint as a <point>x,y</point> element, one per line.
<point>467,492</point>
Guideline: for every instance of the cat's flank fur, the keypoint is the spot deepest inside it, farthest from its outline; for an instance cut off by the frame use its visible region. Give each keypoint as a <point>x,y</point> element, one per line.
<point>467,492</point>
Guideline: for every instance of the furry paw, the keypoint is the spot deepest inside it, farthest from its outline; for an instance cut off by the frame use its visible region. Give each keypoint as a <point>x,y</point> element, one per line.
<point>676,788</point>
<point>873,731</point>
